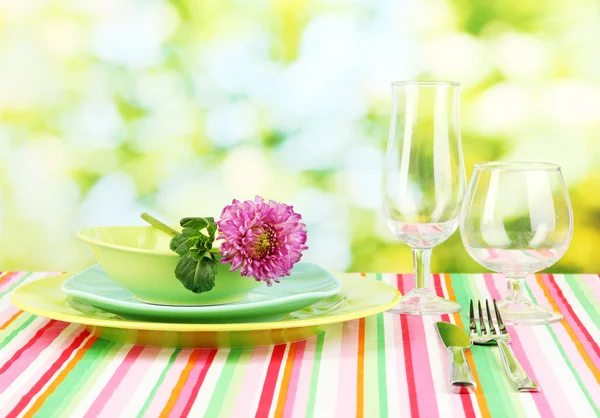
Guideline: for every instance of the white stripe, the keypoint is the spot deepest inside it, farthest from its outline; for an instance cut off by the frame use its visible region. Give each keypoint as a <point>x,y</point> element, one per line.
<point>109,369</point>
<point>38,366</point>
<point>209,384</point>
<point>325,403</point>
<point>398,399</point>
<point>561,370</point>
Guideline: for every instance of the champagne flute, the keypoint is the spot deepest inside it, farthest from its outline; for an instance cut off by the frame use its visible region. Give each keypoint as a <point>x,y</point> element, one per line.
<point>517,220</point>
<point>423,181</point>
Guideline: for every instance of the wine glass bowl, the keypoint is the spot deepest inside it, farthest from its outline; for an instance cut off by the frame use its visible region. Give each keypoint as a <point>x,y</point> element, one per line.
<point>423,180</point>
<point>517,220</point>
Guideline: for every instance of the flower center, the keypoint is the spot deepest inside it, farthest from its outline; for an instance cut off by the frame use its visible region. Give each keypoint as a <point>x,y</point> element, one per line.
<point>264,243</point>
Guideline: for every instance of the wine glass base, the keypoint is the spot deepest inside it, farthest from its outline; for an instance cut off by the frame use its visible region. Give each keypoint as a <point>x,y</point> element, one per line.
<point>424,302</point>
<point>525,312</point>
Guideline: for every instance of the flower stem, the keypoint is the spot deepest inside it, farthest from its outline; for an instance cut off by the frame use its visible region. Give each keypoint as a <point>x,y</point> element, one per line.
<point>159,225</point>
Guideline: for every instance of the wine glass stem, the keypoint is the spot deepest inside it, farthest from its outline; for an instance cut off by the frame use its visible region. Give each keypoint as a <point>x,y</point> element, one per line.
<point>421,261</point>
<point>515,287</point>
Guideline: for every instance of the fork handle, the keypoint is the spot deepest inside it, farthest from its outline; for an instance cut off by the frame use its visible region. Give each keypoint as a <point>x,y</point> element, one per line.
<point>460,372</point>
<point>519,378</point>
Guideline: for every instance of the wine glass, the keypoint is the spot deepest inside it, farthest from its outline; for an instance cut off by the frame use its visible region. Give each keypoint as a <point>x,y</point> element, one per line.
<point>423,181</point>
<point>517,220</point>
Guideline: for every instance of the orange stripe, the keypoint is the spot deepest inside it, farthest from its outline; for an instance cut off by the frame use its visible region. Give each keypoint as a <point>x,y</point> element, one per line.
<point>569,329</point>
<point>285,382</point>
<point>481,401</point>
<point>4,275</point>
<point>62,375</point>
<point>180,383</point>
<point>360,373</point>
<point>11,320</point>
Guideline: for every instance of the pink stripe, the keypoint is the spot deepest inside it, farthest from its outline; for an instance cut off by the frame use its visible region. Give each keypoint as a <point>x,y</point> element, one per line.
<point>114,382</point>
<point>348,367</point>
<point>422,367</point>
<point>188,386</point>
<point>247,400</point>
<point>293,385</point>
<point>571,352</point>
<point>132,380</point>
<point>164,391</point>
<point>573,322</point>
<point>303,385</point>
<point>542,374</point>
<point>29,355</point>
<point>400,376</point>
<point>11,280</point>
<point>420,359</point>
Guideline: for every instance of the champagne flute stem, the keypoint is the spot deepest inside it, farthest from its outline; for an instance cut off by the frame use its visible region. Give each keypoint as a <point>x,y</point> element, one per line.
<point>514,289</point>
<point>421,262</point>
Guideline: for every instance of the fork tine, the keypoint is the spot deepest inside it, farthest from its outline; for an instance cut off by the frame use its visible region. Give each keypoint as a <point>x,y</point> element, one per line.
<point>490,320</point>
<point>481,321</point>
<point>501,326</point>
<point>472,325</point>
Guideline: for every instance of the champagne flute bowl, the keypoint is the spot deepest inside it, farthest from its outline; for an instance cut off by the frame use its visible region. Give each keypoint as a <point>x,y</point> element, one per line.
<point>423,181</point>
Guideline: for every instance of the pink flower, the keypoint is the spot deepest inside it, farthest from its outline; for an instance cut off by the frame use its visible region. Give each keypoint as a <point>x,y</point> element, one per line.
<point>262,240</point>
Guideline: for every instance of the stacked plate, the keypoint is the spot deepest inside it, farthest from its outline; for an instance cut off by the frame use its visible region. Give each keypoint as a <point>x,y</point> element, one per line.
<point>304,304</point>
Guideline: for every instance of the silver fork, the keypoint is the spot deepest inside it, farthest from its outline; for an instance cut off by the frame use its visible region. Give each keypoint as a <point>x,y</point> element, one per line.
<point>517,375</point>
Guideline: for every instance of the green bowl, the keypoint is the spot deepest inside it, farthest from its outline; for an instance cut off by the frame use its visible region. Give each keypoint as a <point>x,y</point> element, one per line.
<point>139,259</point>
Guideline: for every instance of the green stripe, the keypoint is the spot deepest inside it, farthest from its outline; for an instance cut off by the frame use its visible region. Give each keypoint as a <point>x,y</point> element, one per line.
<point>159,382</point>
<point>90,379</point>
<point>14,285</point>
<point>502,400</point>
<point>235,385</point>
<point>314,377</point>
<point>566,359</point>
<point>576,284</point>
<point>71,386</point>
<point>16,329</point>
<point>222,385</point>
<point>381,363</point>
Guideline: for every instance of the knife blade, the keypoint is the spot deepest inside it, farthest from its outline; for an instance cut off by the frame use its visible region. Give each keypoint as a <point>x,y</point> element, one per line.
<point>457,341</point>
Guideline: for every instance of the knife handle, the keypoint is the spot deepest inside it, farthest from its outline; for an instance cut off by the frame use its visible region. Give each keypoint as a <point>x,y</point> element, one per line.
<point>460,372</point>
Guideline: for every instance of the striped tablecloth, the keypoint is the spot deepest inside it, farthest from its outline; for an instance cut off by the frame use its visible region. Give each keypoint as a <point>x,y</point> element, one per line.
<point>384,365</point>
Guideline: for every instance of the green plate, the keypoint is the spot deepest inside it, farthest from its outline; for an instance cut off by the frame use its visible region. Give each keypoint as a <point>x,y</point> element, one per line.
<point>359,297</point>
<point>307,284</point>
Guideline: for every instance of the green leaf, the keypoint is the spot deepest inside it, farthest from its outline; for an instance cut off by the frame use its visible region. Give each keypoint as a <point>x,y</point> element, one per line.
<point>197,276</point>
<point>197,267</point>
<point>212,228</point>
<point>196,223</point>
<point>181,244</point>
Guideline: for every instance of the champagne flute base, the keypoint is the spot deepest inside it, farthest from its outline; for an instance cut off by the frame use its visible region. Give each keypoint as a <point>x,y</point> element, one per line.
<point>520,311</point>
<point>424,302</point>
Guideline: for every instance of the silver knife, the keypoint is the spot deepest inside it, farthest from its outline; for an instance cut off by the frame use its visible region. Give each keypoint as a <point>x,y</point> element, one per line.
<point>457,341</point>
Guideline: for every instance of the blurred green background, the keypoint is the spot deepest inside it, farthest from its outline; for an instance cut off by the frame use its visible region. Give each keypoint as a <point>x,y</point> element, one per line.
<point>109,108</point>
